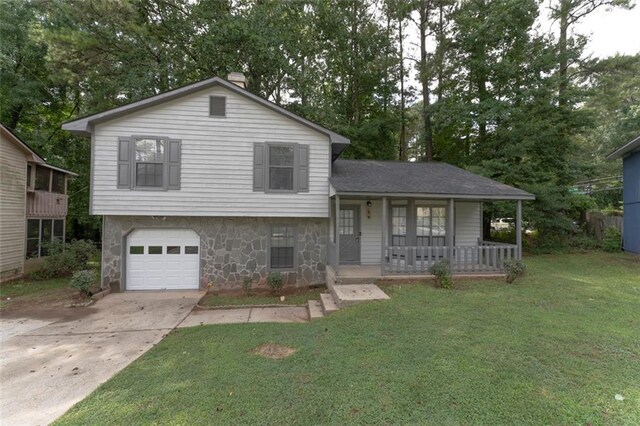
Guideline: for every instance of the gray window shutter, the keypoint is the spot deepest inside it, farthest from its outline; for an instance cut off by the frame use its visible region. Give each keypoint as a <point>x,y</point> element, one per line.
<point>217,106</point>
<point>124,163</point>
<point>303,168</point>
<point>173,164</point>
<point>259,166</point>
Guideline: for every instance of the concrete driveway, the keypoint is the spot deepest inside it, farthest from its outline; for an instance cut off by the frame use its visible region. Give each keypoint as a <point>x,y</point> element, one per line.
<point>49,364</point>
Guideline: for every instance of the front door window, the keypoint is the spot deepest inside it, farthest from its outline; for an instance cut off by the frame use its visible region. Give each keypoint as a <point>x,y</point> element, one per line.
<point>398,226</point>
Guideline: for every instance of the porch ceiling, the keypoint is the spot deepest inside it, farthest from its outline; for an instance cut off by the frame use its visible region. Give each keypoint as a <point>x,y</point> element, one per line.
<point>428,180</point>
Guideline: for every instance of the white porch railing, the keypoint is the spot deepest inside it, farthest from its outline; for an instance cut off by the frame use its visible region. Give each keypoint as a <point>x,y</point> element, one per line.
<point>462,259</point>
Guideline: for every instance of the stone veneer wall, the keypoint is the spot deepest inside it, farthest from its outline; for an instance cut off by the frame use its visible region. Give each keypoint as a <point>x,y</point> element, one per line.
<point>230,248</point>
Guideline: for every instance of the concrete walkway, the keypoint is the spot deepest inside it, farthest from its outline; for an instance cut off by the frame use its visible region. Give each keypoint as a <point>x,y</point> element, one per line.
<point>48,365</point>
<point>246,315</point>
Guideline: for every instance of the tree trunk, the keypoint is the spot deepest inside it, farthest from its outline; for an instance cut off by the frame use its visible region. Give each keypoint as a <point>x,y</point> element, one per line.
<point>403,136</point>
<point>425,80</point>
<point>562,52</point>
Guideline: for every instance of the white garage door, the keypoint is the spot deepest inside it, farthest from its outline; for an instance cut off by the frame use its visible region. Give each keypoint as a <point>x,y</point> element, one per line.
<point>163,259</point>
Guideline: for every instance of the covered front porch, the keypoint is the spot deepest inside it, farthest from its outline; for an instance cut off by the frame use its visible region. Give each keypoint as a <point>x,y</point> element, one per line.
<point>397,233</point>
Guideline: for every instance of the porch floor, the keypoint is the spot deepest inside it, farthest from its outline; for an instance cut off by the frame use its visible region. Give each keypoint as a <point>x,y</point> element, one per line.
<point>359,271</point>
<point>370,272</point>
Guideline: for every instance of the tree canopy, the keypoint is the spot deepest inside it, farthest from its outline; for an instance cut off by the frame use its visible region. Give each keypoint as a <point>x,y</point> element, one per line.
<point>487,90</point>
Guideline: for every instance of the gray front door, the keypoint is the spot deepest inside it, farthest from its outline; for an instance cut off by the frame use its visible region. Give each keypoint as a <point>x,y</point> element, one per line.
<point>349,229</point>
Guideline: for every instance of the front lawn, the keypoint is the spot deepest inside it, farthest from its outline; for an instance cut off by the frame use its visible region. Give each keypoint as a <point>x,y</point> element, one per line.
<point>553,348</point>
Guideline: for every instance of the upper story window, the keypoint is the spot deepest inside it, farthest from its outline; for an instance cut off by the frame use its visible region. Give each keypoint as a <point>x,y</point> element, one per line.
<point>280,167</point>
<point>217,106</point>
<point>149,157</point>
<point>149,162</point>
<point>57,182</point>
<point>46,179</point>
<point>43,175</point>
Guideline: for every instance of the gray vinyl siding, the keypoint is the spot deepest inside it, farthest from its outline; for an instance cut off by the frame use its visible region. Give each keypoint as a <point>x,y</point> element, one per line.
<point>371,228</point>
<point>467,224</point>
<point>216,176</point>
<point>13,187</point>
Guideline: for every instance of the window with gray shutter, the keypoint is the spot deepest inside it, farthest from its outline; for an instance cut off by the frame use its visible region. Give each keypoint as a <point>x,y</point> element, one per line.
<point>173,165</point>
<point>217,106</point>
<point>124,163</point>
<point>303,168</point>
<point>280,167</point>
<point>259,160</point>
<point>149,162</point>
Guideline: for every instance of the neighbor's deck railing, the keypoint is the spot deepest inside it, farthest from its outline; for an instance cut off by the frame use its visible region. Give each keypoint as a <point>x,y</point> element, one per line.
<point>46,204</point>
<point>467,259</point>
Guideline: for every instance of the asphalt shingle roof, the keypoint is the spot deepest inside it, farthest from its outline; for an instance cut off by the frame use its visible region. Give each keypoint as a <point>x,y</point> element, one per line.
<point>395,177</point>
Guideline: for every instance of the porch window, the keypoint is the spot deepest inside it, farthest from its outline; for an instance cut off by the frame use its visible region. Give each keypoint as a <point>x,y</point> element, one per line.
<point>42,232</point>
<point>398,226</point>
<point>57,182</point>
<point>282,247</point>
<point>43,175</point>
<point>431,226</point>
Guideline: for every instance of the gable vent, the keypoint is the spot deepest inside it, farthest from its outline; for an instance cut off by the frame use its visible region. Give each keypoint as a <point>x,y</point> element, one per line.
<point>217,106</point>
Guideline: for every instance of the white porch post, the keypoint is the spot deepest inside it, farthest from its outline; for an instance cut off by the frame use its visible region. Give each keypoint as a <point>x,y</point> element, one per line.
<point>450,230</point>
<point>384,235</point>
<point>337,233</point>
<point>519,230</point>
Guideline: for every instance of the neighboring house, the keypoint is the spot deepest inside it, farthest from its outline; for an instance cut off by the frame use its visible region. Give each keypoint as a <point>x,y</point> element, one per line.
<point>630,154</point>
<point>33,205</point>
<point>210,183</point>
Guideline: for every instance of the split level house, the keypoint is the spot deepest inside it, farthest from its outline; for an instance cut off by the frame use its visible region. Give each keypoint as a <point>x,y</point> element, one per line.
<point>33,205</point>
<point>209,184</point>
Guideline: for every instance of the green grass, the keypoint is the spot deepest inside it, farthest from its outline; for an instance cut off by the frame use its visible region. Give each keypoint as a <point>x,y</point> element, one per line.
<point>30,290</point>
<point>297,299</point>
<point>553,348</point>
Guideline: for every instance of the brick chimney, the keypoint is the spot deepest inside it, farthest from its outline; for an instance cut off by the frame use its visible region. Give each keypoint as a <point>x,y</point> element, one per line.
<point>238,79</point>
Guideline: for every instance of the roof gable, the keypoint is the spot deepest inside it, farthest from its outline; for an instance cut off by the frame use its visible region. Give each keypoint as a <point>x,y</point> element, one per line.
<point>20,144</point>
<point>83,126</point>
<point>34,156</point>
<point>625,149</point>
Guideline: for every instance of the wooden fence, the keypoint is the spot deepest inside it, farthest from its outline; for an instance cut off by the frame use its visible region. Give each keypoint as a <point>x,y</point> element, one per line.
<point>597,223</point>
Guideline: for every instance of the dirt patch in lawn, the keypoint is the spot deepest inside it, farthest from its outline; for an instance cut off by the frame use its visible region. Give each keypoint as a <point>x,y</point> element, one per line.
<point>43,300</point>
<point>273,351</point>
<point>42,312</point>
